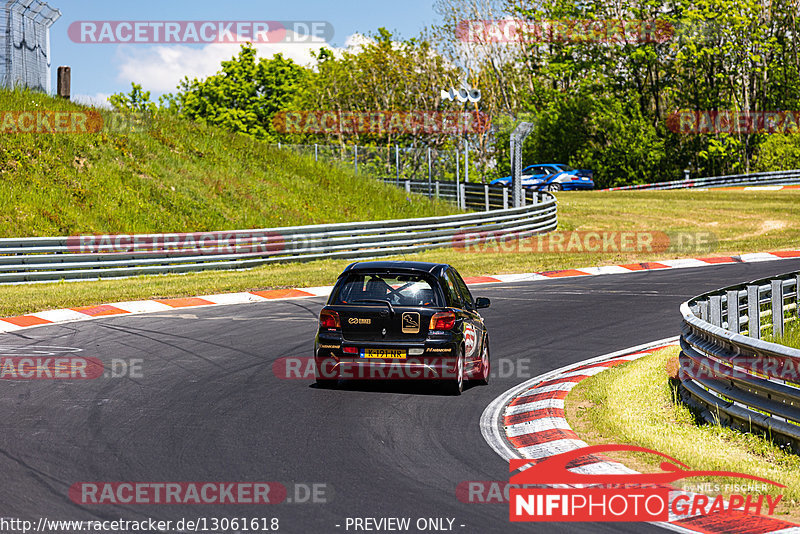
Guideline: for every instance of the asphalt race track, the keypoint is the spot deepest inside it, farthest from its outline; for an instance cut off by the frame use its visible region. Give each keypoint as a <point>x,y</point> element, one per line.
<point>206,406</point>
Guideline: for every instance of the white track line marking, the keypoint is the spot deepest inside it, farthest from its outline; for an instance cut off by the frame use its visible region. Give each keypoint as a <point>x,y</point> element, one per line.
<point>537,425</point>
<point>557,404</point>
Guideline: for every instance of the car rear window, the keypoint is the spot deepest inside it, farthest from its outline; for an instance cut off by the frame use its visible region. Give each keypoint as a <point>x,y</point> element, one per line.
<point>397,289</point>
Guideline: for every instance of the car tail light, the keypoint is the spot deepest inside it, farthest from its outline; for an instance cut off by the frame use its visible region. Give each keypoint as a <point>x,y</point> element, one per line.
<point>443,321</point>
<point>350,350</point>
<point>329,319</point>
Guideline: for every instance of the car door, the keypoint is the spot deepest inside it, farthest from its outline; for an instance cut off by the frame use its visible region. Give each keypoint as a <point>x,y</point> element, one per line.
<point>474,328</point>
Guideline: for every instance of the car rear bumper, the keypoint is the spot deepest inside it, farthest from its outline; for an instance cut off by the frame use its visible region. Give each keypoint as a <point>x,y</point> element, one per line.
<point>437,362</point>
<point>387,370</point>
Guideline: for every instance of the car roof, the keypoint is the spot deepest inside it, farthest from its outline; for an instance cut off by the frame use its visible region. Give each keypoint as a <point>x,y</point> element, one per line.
<point>405,266</point>
<point>544,165</point>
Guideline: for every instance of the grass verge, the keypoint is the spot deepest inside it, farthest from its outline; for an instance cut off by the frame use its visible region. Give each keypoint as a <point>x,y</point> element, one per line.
<point>791,335</point>
<point>634,404</point>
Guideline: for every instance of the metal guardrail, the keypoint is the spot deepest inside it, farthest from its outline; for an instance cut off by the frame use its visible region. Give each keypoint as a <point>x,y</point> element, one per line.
<point>45,259</point>
<point>756,178</point>
<point>466,195</point>
<point>729,372</point>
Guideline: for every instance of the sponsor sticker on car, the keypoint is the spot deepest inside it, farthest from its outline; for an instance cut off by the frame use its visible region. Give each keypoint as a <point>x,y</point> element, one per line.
<point>469,339</point>
<point>411,323</point>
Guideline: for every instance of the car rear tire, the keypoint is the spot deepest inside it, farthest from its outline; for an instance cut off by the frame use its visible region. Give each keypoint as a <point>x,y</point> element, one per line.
<point>486,366</point>
<point>554,187</point>
<point>456,385</point>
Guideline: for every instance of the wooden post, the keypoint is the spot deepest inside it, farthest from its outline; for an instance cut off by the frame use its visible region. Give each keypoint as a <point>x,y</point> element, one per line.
<point>64,82</point>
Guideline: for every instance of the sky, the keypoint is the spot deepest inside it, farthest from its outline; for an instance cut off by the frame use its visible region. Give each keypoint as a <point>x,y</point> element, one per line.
<point>101,69</point>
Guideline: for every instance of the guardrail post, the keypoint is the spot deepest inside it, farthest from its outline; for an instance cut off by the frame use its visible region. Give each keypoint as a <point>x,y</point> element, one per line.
<point>505,206</point>
<point>535,197</point>
<point>64,82</point>
<point>458,178</point>
<point>437,189</point>
<point>703,304</point>
<point>715,313</point>
<point>753,313</point>
<point>486,195</point>
<point>430,174</point>
<point>408,186</point>
<point>733,311</point>
<point>355,158</point>
<point>466,160</point>
<point>463,189</point>
<point>777,307</point>
<point>797,295</point>
<point>397,161</point>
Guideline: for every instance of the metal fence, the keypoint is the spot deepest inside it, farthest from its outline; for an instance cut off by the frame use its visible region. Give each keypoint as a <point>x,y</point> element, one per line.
<point>25,52</point>
<point>729,372</point>
<point>756,178</point>
<point>42,259</point>
<point>398,163</point>
<point>467,195</point>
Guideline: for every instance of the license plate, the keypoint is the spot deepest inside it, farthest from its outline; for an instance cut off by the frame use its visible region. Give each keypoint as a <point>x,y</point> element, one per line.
<point>399,354</point>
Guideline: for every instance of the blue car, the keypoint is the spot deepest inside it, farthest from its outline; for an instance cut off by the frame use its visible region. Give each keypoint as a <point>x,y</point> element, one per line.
<point>552,177</point>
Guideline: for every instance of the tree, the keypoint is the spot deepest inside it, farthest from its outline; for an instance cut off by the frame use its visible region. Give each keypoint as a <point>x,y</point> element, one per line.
<point>135,101</point>
<point>381,74</point>
<point>245,95</point>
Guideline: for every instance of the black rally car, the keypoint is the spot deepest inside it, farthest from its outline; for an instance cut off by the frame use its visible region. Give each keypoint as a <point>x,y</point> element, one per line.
<point>402,320</point>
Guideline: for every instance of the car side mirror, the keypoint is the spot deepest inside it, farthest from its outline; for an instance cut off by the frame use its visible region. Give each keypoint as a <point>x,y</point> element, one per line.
<point>482,302</point>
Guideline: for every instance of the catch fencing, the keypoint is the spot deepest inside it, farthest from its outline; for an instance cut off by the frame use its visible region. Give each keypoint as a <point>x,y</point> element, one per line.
<point>25,51</point>
<point>395,163</point>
